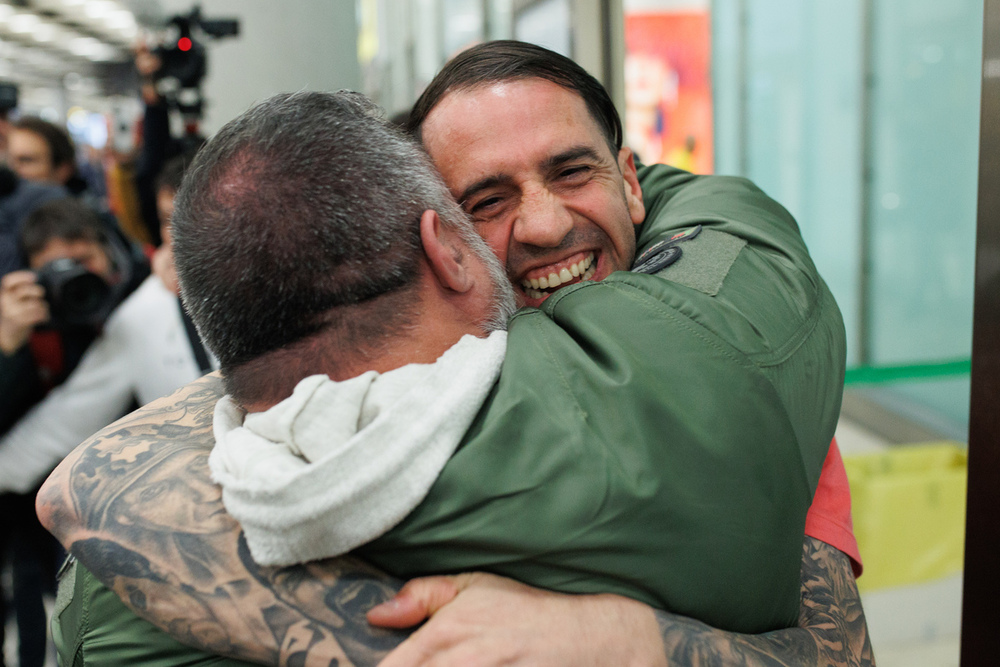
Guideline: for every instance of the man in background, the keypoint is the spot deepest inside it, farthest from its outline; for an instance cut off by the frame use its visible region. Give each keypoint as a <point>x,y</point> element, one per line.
<point>40,151</point>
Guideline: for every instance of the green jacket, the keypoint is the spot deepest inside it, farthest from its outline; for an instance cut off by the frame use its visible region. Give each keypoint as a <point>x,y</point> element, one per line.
<point>92,627</point>
<point>658,436</point>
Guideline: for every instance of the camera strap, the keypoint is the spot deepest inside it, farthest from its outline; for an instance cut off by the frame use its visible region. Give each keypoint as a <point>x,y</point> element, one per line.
<point>200,354</point>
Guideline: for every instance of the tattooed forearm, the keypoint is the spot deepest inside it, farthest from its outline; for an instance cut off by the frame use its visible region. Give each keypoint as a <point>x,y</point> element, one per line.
<point>136,505</point>
<point>832,630</point>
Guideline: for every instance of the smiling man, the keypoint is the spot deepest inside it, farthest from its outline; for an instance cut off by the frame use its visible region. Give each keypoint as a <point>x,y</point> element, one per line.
<point>729,352</point>
<point>545,189</point>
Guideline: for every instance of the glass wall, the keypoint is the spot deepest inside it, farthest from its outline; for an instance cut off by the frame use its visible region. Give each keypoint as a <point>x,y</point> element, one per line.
<point>403,43</point>
<point>861,116</point>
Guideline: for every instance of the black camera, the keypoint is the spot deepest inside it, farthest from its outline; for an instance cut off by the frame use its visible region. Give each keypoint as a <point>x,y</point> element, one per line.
<point>76,296</point>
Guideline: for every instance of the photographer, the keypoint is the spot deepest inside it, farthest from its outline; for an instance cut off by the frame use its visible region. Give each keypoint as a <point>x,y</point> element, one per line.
<point>49,316</point>
<point>30,365</point>
<point>147,349</point>
<point>36,358</point>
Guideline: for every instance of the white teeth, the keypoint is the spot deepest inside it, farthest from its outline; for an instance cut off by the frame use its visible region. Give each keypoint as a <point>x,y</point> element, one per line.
<point>565,275</point>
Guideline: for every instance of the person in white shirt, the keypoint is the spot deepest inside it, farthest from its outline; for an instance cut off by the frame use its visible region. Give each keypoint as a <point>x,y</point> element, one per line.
<point>146,350</point>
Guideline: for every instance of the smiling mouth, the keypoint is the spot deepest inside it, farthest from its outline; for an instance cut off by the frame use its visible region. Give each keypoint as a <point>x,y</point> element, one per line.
<point>542,286</point>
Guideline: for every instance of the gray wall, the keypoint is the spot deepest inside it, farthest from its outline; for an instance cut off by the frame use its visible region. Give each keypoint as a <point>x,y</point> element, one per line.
<point>283,46</point>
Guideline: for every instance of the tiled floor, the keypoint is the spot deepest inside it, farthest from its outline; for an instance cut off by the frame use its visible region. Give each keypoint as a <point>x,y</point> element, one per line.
<point>916,626</point>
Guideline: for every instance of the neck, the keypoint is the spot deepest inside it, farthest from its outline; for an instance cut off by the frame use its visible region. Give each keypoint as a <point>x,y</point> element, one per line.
<point>358,345</point>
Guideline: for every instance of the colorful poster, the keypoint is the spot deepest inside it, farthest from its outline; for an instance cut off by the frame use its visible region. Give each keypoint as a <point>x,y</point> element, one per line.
<point>668,88</point>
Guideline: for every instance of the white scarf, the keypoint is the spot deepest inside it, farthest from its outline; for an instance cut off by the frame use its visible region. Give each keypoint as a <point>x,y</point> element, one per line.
<point>338,464</point>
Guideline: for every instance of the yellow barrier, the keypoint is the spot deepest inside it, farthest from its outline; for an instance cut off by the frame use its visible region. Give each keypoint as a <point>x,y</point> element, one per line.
<point>909,512</point>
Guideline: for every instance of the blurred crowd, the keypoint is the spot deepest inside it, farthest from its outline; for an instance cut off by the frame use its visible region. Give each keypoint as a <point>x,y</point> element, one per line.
<point>91,324</point>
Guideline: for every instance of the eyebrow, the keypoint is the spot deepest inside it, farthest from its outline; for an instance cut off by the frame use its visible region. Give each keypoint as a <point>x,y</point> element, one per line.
<point>483,184</point>
<point>569,155</point>
<point>550,163</point>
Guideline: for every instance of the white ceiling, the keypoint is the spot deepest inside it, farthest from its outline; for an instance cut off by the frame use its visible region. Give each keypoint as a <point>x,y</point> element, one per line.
<point>43,41</point>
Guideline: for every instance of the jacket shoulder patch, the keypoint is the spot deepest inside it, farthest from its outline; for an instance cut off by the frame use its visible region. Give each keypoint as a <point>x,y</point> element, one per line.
<point>705,261</point>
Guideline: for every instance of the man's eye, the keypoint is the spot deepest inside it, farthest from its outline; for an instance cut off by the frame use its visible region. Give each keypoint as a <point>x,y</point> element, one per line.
<point>486,206</point>
<point>575,173</point>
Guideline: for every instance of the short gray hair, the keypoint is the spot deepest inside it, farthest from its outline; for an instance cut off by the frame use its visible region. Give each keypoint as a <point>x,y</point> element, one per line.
<point>305,203</point>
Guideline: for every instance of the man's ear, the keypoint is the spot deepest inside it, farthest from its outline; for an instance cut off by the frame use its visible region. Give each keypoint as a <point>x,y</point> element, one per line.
<point>443,250</point>
<point>633,191</point>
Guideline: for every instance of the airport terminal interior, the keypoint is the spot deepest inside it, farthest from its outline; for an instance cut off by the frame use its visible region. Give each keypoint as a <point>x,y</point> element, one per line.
<point>861,117</point>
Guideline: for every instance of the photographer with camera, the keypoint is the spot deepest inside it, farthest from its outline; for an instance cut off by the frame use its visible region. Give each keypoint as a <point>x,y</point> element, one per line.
<point>64,233</point>
<point>80,270</point>
<point>147,349</point>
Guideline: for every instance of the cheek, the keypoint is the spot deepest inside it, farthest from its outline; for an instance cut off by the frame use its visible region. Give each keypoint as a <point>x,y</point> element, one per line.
<point>616,223</point>
<point>497,237</point>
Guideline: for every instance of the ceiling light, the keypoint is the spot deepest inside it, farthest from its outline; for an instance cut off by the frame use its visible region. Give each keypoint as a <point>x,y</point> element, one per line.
<point>83,46</point>
<point>23,23</point>
<point>120,19</point>
<point>44,32</point>
<point>105,53</point>
<point>97,9</point>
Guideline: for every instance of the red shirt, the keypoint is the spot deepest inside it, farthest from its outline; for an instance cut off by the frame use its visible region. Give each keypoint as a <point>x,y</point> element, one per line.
<point>829,516</point>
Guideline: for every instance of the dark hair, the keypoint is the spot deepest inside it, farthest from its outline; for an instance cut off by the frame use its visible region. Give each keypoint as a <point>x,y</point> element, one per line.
<point>173,170</point>
<point>506,60</point>
<point>67,219</point>
<point>60,145</point>
<point>307,204</point>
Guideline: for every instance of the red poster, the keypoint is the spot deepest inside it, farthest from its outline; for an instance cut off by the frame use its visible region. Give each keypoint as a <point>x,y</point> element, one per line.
<point>668,88</point>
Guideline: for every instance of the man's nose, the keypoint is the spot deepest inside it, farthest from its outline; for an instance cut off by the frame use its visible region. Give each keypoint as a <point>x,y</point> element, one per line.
<point>543,220</point>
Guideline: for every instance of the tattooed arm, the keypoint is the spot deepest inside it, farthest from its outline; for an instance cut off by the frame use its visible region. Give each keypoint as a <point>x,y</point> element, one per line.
<point>136,505</point>
<point>474,615</point>
<point>832,628</point>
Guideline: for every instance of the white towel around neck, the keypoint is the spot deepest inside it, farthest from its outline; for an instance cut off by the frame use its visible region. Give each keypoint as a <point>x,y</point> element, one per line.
<point>337,464</point>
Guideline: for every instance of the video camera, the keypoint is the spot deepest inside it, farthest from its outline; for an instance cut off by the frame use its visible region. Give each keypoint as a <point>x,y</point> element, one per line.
<point>184,59</point>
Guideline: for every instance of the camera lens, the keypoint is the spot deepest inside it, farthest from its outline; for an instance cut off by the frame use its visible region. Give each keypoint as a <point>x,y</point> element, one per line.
<point>82,297</point>
<point>75,295</point>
